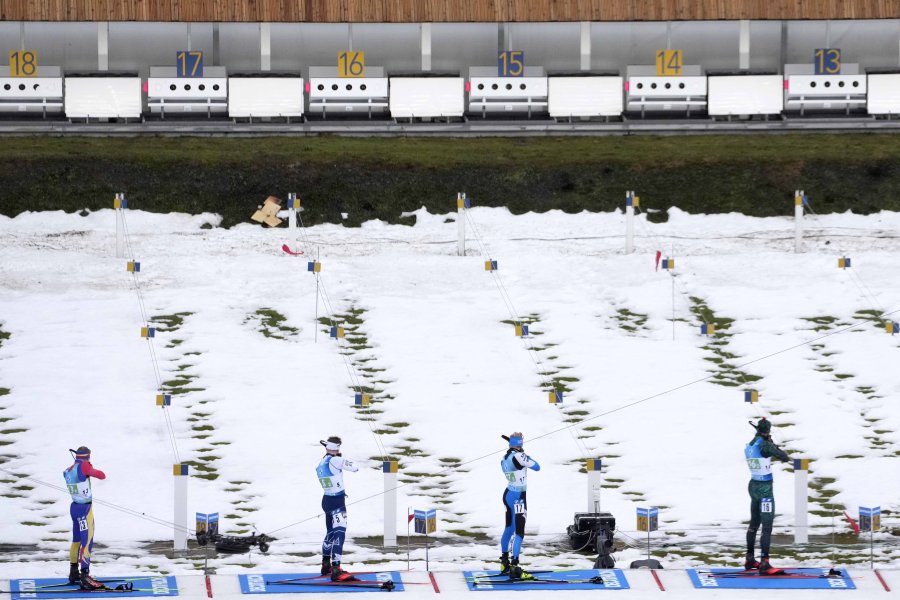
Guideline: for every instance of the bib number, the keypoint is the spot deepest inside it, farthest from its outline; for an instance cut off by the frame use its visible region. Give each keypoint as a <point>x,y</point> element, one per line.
<point>753,463</point>
<point>82,524</point>
<point>339,519</point>
<point>325,482</point>
<point>519,508</point>
<point>766,505</point>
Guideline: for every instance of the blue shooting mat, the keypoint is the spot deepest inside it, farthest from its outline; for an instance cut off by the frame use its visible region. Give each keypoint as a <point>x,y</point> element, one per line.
<point>613,579</point>
<point>304,583</point>
<point>61,588</point>
<point>794,579</point>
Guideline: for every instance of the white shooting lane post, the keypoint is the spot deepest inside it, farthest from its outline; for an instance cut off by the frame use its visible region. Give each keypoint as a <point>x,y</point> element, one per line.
<point>595,480</point>
<point>180,516</point>
<point>103,46</point>
<point>799,201</point>
<point>389,467</point>
<point>120,204</point>
<point>265,46</point>
<point>801,491</point>
<point>293,205</point>
<point>630,202</point>
<point>585,45</point>
<point>462,203</point>
<point>425,45</point>
<point>744,45</point>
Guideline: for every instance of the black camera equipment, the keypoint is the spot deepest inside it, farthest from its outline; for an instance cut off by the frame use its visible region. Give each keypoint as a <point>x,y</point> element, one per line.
<point>593,532</point>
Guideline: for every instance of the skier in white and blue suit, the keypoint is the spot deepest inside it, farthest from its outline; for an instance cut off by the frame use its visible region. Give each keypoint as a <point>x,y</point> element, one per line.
<point>330,472</point>
<point>515,465</point>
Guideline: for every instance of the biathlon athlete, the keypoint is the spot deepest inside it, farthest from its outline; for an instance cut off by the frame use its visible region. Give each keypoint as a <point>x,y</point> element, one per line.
<point>759,454</point>
<point>78,482</point>
<point>331,477</point>
<point>515,464</point>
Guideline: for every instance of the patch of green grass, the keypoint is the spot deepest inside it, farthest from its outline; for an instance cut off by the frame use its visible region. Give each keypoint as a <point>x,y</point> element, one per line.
<point>478,536</point>
<point>725,374</point>
<point>170,322</point>
<point>822,323</point>
<point>630,321</point>
<point>272,324</point>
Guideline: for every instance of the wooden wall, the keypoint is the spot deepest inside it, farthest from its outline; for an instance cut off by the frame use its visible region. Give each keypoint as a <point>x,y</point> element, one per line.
<point>416,11</point>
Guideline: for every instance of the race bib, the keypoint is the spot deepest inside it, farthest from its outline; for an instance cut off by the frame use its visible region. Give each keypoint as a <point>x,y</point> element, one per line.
<point>82,524</point>
<point>339,518</point>
<point>519,508</point>
<point>766,504</point>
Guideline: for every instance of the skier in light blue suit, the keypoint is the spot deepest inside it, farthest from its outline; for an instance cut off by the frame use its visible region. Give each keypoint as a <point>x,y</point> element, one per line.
<point>515,464</point>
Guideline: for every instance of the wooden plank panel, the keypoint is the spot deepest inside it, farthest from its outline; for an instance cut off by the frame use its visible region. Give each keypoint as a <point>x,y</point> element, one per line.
<point>415,11</point>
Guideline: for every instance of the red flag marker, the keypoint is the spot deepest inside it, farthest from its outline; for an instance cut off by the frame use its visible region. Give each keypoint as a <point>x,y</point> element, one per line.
<point>853,523</point>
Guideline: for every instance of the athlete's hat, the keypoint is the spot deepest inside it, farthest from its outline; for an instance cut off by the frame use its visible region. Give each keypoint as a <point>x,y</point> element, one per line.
<point>763,426</point>
<point>332,443</point>
<point>83,453</point>
<point>516,440</point>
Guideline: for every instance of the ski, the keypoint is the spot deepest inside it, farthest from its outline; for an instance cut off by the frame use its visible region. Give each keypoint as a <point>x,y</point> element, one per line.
<point>81,591</point>
<point>378,585</point>
<point>58,585</point>
<point>287,250</point>
<point>314,577</point>
<point>832,574</point>
<point>595,580</point>
<point>531,572</point>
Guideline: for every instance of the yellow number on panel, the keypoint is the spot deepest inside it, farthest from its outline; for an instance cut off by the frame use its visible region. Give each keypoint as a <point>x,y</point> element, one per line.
<point>511,63</point>
<point>668,62</point>
<point>828,61</point>
<point>22,63</point>
<point>351,64</point>
<point>833,61</point>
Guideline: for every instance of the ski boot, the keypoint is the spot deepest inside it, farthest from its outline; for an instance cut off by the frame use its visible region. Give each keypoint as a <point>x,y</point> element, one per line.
<point>89,583</point>
<point>74,575</point>
<point>766,569</point>
<point>516,572</point>
<point>504,563</point>
<point>326,566</point>
<point>750,563</point>
<point>338,574</point>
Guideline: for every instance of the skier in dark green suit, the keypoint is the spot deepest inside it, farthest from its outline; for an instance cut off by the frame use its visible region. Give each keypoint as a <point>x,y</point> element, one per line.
<point>759,454</point>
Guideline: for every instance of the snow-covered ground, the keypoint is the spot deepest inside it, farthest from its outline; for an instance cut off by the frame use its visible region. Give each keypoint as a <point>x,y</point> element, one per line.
<point>450,378</point>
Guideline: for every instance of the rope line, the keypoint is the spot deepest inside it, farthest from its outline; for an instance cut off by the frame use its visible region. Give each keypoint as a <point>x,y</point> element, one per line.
<point>606,413</point>
<point>343,348</point>
<point>540,369</point>
<point>856,278</point>
<point>154,359</point>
